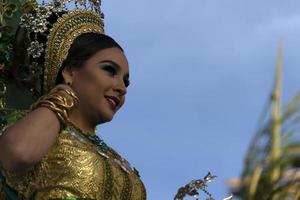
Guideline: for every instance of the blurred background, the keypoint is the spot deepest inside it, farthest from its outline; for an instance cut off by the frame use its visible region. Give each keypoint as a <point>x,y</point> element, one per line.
<point>201,73</point>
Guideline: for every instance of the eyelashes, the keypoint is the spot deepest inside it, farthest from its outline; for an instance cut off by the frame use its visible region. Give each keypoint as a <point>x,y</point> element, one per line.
<point>112,71</point>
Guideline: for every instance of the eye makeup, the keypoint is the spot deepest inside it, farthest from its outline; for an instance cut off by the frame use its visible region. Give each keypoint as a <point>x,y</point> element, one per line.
<point>113,68</point>
<point>109,68</point>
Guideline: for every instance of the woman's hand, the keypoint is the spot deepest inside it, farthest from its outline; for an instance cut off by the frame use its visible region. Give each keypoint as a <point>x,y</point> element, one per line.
<point>25,143</point>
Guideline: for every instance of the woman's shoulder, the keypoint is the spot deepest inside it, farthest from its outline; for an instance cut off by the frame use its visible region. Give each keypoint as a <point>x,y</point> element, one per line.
<point>64,161</point>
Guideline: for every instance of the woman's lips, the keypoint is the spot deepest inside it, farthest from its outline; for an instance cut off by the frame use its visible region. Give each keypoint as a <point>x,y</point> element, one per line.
<point>113,101</point>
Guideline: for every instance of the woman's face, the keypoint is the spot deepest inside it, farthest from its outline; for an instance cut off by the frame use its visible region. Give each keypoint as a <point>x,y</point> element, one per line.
<point>101,84</point>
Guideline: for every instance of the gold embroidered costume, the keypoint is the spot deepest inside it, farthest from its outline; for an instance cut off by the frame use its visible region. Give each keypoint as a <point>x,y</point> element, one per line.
<point>79,165</point>
<point>73,167</point>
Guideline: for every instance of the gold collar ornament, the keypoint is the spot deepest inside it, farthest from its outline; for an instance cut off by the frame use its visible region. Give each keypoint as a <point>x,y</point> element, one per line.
<point>84,18</point>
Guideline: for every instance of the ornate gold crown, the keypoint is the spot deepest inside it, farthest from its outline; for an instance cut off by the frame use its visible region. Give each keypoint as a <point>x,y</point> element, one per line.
<point>72,20</point>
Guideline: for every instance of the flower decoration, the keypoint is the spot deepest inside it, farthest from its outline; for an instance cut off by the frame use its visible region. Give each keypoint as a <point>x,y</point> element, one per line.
<point>26,20</point>
<point>43,11</point>
<point>37,21</point>
<point>35,49</point>
<point>40,25</point>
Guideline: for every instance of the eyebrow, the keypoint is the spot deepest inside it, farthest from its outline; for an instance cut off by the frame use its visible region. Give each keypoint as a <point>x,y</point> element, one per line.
<point>116,65</point>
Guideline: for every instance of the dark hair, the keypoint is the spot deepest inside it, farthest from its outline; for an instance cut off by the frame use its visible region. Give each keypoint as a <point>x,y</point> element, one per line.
<point>83,48</point>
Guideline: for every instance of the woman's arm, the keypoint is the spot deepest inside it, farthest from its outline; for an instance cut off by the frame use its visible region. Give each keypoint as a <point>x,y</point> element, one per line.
<point>24,143</point>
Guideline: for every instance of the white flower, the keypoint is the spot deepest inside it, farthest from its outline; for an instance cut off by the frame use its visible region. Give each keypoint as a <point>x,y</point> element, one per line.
<point>35,49</point>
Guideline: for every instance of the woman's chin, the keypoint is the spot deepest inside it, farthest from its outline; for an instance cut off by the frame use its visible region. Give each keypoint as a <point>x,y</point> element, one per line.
<point>105,117</point>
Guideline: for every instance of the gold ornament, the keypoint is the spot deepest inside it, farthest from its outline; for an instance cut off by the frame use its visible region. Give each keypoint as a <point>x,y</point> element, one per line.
<point>85,18</point>
<point>58,104</point>
<point>62,35</point>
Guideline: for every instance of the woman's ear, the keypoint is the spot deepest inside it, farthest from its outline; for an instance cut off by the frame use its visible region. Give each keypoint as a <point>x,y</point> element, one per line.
<point>68,75</point>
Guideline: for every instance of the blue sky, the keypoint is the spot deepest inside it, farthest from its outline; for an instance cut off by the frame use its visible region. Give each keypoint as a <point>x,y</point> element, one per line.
<point>201,72</point>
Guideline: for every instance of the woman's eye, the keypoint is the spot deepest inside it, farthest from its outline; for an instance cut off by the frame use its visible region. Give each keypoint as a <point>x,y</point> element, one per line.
<point>111,70</point>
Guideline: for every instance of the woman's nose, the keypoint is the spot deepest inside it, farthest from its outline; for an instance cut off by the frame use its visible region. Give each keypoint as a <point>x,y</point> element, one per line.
<point>121,87</point>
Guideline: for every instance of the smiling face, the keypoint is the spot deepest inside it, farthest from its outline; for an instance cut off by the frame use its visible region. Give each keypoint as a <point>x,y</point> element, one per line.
<point>101,84</point>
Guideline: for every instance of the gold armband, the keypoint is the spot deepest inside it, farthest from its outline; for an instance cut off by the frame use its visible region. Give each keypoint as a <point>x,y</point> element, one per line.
<point>58,104</point>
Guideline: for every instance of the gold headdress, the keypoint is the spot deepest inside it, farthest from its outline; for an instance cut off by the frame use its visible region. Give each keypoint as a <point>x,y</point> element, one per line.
<point>85,17</point>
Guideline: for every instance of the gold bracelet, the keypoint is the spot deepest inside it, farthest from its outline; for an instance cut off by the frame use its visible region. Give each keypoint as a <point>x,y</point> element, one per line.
<point>68,91</point>
<point>72,94</point>
<point>58,104</point>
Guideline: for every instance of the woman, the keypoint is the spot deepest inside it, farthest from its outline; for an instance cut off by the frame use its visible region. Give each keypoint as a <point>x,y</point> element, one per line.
<point>52,152</point>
